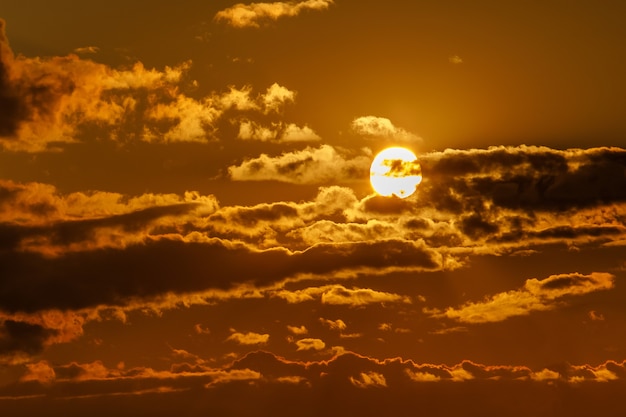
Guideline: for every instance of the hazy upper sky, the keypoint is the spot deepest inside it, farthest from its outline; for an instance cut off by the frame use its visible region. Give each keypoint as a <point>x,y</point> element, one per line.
<point>187,225</point>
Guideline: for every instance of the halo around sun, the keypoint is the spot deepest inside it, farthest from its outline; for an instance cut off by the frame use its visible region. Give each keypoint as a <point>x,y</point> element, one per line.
<point>395,171</point>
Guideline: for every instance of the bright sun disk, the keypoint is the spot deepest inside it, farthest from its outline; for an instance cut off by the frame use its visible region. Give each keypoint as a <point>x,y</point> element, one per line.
<point>395,171</point>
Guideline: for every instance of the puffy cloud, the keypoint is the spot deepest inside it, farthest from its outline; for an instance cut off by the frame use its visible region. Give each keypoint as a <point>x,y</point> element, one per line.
<point>251,15</point>
<point>249,338</point>
<point>276,96</point>
<point>381,128</point>
<point>295,133</point>
<point>310,344</point>
<point>308,166</point>
<point>47,102</point>
<point>249,130</point>
<point>189,120</point>
<point>536,295</point>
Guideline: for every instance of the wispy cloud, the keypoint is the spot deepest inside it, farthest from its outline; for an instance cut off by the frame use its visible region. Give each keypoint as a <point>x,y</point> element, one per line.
<point>536,295</point>
<point>339,295</point>
<point>310,344</point>
<point>369,380</point>
<point>87,50</point>
<point>308,166</point>
<point>253,14</point>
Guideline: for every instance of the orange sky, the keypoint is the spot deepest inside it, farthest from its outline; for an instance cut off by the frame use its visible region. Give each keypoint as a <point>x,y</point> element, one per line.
<point>187,225</point>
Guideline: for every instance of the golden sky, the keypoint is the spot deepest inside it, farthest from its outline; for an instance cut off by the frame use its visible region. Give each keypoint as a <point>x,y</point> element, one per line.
<point>187,224</point>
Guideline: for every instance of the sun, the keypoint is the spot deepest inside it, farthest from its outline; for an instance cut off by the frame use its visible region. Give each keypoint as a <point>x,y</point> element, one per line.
<point>395,171</point>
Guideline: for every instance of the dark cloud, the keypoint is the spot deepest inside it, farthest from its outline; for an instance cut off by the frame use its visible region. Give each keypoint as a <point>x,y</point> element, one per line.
<point>475,226</point>
<point>23,99</point>
<point>68,232</point>
<point>112,276</point>
<point>526,178</point>
<point>10,101</point>
<point>249,216</point>
<point>16,337</point>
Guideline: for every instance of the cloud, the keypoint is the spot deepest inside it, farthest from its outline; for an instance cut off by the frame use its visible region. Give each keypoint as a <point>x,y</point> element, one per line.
<point>366,385</point>
<point>295,133</point>
<point>545,375</point>
<point>249,338</point>
<point>526,178</point>
<point>339,295</point>
<point>308,166</point>
<point>422,376</point>
<point>455,59</point>
<point>251,15</point>
<point>278,132</point>
<point>368,380</point>
<point>310,344</point>
<point>536,295</point>
<point>381,128</point>
<point>87,50</point>
<point>47,234</point>
<point>48,102</point>
<point>276,96</point>
<point>252,252</point>
<point>199,329</point>
<point>39,371</point>
<point>595,316</point>
<point>297,330</point>
<point>35,217</point>
<point>334,324</point>
<point>21,337</point>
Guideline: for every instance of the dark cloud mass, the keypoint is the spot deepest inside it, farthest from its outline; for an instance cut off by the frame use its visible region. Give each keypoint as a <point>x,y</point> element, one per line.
<point>529,178</point>
<point>113,276</point>
<point>20,337</point>
<point>9,99</point>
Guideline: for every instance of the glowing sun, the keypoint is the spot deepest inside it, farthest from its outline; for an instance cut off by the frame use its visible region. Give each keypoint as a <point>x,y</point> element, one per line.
<point>395,171</point>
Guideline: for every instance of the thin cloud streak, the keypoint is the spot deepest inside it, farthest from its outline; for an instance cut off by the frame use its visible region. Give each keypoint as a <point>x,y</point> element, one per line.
<point>254,14</point>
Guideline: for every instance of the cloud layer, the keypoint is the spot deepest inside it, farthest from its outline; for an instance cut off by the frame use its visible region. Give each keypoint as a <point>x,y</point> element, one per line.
<point>365,385</point>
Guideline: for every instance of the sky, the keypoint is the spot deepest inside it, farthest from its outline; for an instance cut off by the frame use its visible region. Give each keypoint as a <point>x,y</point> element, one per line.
<point>188,228</point>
